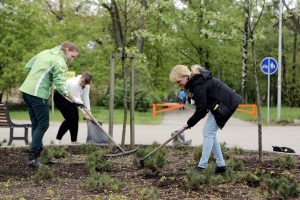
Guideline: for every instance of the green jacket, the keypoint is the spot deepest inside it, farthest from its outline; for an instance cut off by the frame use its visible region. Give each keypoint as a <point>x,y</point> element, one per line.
<point>47,68</point>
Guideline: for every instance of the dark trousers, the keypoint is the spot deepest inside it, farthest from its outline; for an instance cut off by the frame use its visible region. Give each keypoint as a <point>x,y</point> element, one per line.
<point>70,113</point>
<point>39,115</point>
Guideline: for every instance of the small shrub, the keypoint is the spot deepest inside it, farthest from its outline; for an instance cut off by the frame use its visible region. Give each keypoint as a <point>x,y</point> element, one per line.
<point>42,173</point>
<point>194,180</point>
<point>147,193</point>
<point>285,161</point>
<point>102,183</point>
<point>235,164</point>
<point>236,151</point>
<point>252,179</point>
<point>157,160</point>
<point>96,161</point>
<point>284,187</point>
<point>116,197</point>
<point>89,148</point>
<point>58,152</point>
<point>46,156</point>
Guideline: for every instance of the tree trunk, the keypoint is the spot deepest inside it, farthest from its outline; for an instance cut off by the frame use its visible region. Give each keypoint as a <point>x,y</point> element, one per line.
<point>125,107</point>
<point>259,120</point>
<point>116,23</point>
<point>139,40</point>
<point>245,56</point>
<point>292,93</point>
<point>252,25</point>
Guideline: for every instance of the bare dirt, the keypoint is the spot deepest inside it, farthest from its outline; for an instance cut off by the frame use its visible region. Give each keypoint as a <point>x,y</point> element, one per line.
<point>70,175</point>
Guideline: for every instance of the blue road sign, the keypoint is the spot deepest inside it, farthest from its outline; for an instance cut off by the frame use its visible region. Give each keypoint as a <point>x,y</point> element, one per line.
<point>268,65</point>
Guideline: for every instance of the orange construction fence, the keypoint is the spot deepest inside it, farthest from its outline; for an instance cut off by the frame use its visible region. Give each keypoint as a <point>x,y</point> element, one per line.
<point>249,109</point>
<point>170,106</point>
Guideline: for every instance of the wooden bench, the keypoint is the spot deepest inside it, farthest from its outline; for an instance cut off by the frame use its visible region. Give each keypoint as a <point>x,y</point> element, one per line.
<point>5,121</point>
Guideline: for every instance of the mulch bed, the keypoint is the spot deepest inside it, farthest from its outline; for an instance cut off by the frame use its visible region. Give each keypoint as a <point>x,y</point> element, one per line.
<point>70,174</point>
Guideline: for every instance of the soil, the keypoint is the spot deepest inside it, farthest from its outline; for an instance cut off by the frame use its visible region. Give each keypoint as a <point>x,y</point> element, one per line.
<point>70,174</point>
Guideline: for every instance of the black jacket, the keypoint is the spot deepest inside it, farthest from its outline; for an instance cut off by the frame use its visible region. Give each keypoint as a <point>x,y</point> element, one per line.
<point>210,94</point>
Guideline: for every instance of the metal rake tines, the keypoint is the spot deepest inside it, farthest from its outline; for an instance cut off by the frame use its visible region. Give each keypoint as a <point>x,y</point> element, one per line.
<point>121,154</point>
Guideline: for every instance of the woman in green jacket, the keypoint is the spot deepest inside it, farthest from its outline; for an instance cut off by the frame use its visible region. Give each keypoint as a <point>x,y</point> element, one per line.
<point>46,69</point>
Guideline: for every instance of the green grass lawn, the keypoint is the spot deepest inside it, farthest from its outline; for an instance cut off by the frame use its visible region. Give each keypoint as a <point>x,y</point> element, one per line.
<point>101,114</point>
<point>287,115</point>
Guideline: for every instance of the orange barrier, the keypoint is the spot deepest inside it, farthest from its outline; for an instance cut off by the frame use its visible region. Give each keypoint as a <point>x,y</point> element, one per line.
<point>170,106</point>
<point>247,111</point>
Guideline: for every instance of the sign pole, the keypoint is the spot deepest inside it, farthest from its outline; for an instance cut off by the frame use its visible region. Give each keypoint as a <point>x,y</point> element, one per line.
<point>268,66</point>
<point>279,63</point>
<point>268,108</point>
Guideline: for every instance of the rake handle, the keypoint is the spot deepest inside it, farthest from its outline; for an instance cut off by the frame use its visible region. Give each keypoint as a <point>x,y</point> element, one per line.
<point>162,145</point>
<point>96,122</point>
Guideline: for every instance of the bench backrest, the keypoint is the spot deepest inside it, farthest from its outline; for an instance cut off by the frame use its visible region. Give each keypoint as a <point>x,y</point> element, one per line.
<point>4,116</point>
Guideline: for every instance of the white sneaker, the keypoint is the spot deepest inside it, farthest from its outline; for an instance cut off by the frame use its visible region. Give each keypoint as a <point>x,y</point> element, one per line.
<point>56,142</point>
<point>75,143</point>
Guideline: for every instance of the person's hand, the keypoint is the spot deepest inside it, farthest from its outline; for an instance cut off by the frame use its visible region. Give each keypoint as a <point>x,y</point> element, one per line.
<point>77,101</point>
<point>87,117</point>
<point>186,126</point>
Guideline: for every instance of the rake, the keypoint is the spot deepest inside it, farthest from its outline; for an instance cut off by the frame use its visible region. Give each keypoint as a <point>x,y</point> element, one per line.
<point>122,152</point>
<point>176,133</point>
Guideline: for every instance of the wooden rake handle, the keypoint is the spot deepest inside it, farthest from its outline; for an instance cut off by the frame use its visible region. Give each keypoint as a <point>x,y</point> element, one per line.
<point>166,142</point>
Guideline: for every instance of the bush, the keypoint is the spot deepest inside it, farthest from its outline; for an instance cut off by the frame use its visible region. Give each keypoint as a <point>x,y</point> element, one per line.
<point>58,152</point>
<point>143,99</point>
<point>46,156</point>
<point>42,173</point>
<point>194,180</point>
<point>147,193</point>
<point>285,161</point>
<point>235,164</point>
<point>89,148</point>
<point>157,160</point>
<point>96,161</point>
<point>284,187</point>
<point>102,182</point>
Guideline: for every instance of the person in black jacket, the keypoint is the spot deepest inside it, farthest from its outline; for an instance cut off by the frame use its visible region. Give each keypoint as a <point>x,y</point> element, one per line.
<point>213,99</point>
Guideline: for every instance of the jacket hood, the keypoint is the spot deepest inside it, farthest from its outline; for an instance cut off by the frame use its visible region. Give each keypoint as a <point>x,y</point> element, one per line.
<point>198,78</point>
<point>58,51</point>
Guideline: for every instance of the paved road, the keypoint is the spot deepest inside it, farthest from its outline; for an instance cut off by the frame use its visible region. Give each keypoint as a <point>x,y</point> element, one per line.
<point>235,133</point>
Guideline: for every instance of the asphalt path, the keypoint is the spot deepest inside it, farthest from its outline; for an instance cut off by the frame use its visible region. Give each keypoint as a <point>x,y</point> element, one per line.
<point>236,133</point>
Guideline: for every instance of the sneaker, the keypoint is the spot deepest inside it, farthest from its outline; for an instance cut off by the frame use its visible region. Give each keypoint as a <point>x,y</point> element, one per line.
<point>56,142</point>
<point>199,169</point>
<point>220,170</point>
<point>34,163</point>
<point>75,143</point>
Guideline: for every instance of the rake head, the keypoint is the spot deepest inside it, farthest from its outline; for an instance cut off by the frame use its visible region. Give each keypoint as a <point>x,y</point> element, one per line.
<point>121,154</point>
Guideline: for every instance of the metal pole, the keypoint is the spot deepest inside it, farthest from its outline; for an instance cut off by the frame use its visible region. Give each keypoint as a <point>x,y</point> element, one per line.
<point>268,108</point>
<point>132,104</point>
<point>111,95</point>
<point>279,63</point>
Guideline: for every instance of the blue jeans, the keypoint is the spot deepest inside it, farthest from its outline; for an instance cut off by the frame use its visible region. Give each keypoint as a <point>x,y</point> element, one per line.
<point>210,143</point>
<point>39,115</point>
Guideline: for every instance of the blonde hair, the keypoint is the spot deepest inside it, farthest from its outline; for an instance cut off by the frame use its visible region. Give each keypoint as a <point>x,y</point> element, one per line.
<point>197,69</point>
<point>178,72</point>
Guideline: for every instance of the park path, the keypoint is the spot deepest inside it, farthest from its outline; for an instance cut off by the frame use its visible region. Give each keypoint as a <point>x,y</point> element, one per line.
<point>236,133</point>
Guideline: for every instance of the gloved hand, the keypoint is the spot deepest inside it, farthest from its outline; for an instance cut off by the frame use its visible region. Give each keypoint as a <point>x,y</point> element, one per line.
<point>77,101</point>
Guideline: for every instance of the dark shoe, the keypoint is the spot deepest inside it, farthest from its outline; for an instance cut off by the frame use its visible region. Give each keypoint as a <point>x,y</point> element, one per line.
<point>199,169</point>
<point>220,170</point>
<point>34,163</point>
